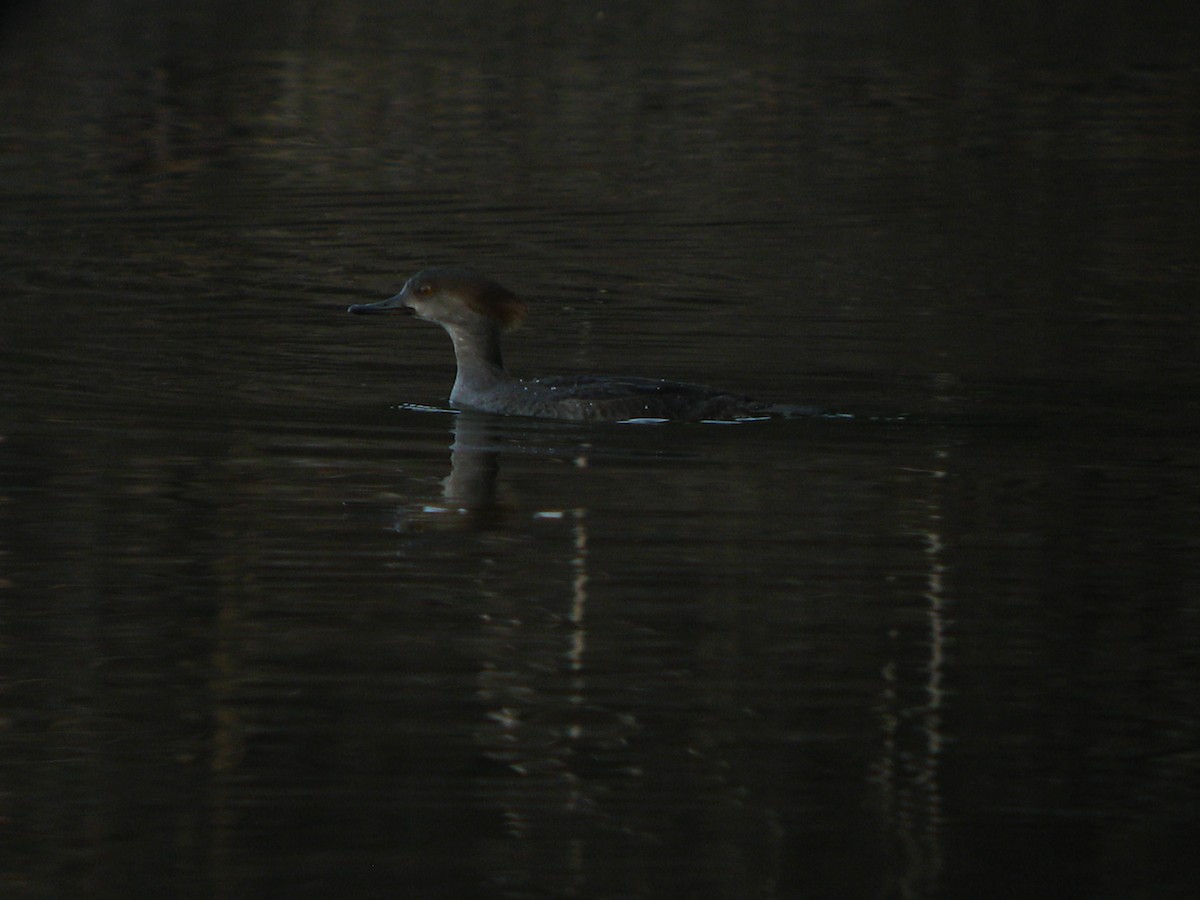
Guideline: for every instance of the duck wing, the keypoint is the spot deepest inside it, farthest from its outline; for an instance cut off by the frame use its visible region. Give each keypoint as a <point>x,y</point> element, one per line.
<point>618,398</point>
<point>609,387</point>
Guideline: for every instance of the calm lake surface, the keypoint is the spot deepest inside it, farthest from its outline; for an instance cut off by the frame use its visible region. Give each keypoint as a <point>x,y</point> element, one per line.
<point>275,622</point>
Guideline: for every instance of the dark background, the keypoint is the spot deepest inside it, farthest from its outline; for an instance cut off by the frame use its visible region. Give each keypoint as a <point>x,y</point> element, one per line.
<point>273,622</point>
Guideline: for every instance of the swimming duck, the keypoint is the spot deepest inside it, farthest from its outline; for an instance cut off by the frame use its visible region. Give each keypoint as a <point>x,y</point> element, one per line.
<point>475,310</point>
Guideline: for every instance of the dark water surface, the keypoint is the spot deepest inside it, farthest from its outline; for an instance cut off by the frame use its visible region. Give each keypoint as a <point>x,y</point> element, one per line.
<point>274,623</point>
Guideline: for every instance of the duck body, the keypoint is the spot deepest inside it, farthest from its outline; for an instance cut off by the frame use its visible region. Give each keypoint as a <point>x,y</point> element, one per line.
<point>594,398</point>
<point>474,311</point>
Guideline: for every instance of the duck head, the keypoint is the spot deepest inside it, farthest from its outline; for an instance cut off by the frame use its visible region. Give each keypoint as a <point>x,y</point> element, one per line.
<point>453,298</point>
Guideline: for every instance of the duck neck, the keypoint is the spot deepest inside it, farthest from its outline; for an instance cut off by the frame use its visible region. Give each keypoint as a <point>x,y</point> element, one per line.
<point>480,365</point>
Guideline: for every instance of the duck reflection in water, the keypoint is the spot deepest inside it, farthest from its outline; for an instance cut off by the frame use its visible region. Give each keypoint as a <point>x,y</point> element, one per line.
<point>469,499</point>
<point>526,729</point>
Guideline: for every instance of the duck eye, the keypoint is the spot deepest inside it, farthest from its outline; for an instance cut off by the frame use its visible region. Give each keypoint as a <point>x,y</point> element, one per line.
<point>424,288</point>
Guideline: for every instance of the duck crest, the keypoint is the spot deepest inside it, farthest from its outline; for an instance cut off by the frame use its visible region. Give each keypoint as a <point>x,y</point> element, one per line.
<point>499,304</point>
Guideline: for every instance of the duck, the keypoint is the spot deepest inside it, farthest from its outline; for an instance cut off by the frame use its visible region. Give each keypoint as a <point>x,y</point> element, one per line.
<point>474,310</point>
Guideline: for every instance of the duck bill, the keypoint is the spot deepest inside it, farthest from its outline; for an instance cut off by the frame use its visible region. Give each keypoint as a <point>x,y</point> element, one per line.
<point>390,305</point>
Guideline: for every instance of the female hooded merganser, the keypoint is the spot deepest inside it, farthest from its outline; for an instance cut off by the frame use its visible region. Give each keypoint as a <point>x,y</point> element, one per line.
<point>475,310</point>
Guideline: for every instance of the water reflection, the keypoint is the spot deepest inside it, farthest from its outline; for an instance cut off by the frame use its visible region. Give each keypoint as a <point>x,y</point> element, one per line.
<point>538,719</point>
<point>909,766</point>
<point>468,498</point>
<point>535,648</point>
<point>511,735</point>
